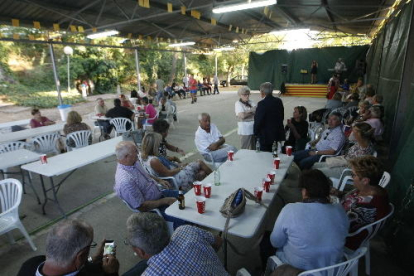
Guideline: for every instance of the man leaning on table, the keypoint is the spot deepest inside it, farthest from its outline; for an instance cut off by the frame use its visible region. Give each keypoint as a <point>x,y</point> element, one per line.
<point>139,189</point>
<point>100,110</point>
<point>189,251</point>
<point>208,139</point>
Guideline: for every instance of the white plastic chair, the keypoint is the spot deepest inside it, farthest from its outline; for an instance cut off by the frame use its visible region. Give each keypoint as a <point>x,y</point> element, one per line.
<point>10,198</point>
<point>371,229</point>
<point>7,147</point>
<point>170,225</point>
<point>168,178</point>
<point>46,143</point>
<point>146,124</point>
<point>120,125</point>
<point>347,180</point>
<point>321,159</point>
<point>80,138</point>
<point>211,161</point>
<point>340,269</point>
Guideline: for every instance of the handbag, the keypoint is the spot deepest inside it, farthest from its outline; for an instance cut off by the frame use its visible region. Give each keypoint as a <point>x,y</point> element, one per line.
<point>135,136</point>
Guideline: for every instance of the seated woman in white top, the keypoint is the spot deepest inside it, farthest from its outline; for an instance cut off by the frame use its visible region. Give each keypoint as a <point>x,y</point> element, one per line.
<point>156,164</point>
<point>311,234</point>
<point>245,110</point>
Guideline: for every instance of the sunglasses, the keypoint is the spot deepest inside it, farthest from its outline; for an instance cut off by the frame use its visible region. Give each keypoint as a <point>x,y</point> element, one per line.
<point>326,136</point>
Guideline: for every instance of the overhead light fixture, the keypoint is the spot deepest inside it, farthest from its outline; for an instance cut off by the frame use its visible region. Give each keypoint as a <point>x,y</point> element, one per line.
<point>244,6</point>
<point>102,34</point>
<point>224,49</point>
<point>182,44</point>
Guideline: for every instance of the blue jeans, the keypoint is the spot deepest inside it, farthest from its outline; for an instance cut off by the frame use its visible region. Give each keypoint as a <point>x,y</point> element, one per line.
<point>304,160</point>
<point>176,221</point>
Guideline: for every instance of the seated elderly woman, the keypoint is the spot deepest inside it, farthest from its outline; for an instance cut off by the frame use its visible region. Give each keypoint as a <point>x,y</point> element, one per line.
<point>368,202</point>
<point>39,120</point>
<point>363,134</point>
<point>297,233</point>
<point>73,124</point>
<point>372,117</point>
<point>156,164</point>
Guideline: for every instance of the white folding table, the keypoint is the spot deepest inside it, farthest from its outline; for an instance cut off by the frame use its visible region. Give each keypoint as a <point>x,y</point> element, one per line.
<point>29,133</point>
<point>8,125</point>
<point>17,158</point>
<point>246,171</point>
<point>69,162</point>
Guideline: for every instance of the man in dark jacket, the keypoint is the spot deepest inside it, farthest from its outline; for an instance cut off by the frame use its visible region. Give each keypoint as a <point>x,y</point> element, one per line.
<point>268,120</point>
<point>120,111</point>
<point>67,249</point>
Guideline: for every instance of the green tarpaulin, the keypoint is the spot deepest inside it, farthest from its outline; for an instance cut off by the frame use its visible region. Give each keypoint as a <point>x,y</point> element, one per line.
<point>266,67</point>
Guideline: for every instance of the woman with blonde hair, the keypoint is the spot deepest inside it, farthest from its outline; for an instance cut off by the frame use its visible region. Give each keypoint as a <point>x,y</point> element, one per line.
<point>74,123</point>
<point>245,110</point>
<point>158,166</point>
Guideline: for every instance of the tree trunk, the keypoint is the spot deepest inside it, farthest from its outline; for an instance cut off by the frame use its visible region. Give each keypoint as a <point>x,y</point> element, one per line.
<point>173,68</point>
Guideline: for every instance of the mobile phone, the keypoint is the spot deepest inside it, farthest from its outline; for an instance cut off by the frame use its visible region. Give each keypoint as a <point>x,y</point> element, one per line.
<point>109,247</point>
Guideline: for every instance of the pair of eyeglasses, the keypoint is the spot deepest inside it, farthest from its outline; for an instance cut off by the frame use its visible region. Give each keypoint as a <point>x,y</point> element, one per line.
<point>326,136</point>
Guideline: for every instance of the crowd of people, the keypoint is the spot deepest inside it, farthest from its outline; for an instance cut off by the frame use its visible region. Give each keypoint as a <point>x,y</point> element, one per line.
<point>148,177</point>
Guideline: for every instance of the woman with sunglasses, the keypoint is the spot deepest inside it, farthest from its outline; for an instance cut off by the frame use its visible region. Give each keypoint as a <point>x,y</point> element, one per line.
<point>334,166</point>
<point>245,110</point>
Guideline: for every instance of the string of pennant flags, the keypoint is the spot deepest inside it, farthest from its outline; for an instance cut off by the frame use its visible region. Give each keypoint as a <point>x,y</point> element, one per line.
<point>80,29</point>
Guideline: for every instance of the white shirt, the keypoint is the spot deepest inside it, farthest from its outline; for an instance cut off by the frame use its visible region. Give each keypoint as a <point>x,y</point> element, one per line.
<point>244,128</point>
<point>331,139</point>
<point>203,139</point>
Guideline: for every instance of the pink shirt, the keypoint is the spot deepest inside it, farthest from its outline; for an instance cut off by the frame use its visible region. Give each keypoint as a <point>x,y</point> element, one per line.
<point>34,123</point>
<point>150,110</point>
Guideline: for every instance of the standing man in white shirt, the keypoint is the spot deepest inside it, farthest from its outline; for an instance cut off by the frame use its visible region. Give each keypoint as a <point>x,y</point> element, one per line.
<point>208,139</point>
<point>216,84</point>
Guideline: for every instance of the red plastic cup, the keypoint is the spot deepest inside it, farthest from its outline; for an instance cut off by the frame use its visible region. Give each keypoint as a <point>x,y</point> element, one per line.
<point>197,188</point>
<point>289,150</point>
<point>258,192</point>
<point>43,159</point>
<point>230,155</point>
<point>201,204</point>
<point>207,190</point>
<point>138,108</point>
<point>276,163</point>
<point>271,175</point>
<point>266,184</point>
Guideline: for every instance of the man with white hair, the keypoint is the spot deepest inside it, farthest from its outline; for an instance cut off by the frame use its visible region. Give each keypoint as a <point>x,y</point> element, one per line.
<point>139,189</point>
<point>100,110</point>
<point>268,119</point>
<point>189,251</point>
<point>67,250</point>
<point>208,139</point>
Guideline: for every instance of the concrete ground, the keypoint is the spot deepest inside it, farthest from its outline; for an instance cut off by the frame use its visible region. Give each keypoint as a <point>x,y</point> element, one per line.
<point>88,194</point>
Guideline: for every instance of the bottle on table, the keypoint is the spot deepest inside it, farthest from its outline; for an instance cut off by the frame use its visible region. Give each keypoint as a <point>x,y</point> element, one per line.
<point>181,199</point>
<point>274,149</point>
<point>257,145</point>
<point>216,177</point>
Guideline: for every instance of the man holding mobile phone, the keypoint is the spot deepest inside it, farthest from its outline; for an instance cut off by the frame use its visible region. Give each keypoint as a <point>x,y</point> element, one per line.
<point>67,249</point>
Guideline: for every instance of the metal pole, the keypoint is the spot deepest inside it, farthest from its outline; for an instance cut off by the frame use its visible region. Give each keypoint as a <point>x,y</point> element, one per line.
<point>216,63</point>
<point>68,73</point>
<point>57,82</point>
<point>185,71</point>
<point>137,68</point>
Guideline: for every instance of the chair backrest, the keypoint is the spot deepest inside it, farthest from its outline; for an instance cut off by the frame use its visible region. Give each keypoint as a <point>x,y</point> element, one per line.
<point>173,109</point>
<point>120,124</point>
<point>373,228</point>
<point>12,146</point>
<point>155,117</point>
<point>129,207</point>
<point>385,179</point>
<point>46,143</point>
<point>341,269</point>
<point>80,138</point>
<point>10,194</point>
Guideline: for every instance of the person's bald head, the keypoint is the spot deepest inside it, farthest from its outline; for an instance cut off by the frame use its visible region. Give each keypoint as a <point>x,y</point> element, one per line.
<point>126,153</point>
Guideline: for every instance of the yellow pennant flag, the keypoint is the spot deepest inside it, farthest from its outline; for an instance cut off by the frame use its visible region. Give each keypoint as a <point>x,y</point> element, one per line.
<point>31,37</point>
<point>80,29</point>
<point>15,22</point>
<point>213,21</point>
<point>129,35</point>
<point>16,36</point>
<point>195,14</point>
<point>169,7</point>
<point>141,3</point>
<point>94,30</point>
<point>73,28</point>
<point>56,27</point>
<point>183,10</point>
<point>36,24</point>
<point>237,29</point>
<point>230,27</point>
<point>266,11</point>
<point>146,4</point>
<point>149,38</point>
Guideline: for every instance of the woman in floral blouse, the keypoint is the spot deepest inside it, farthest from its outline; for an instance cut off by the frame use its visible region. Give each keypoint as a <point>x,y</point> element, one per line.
<point>363,134</point>
<point>74,123</point>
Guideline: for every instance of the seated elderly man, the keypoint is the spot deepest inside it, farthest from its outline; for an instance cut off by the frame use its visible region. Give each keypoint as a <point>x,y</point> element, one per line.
<point>100,110</point>
<point>67,250</point>
<point>190,250</point>
<point>139,189</point>
<point>330,142</point>
<point>208,139</point>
